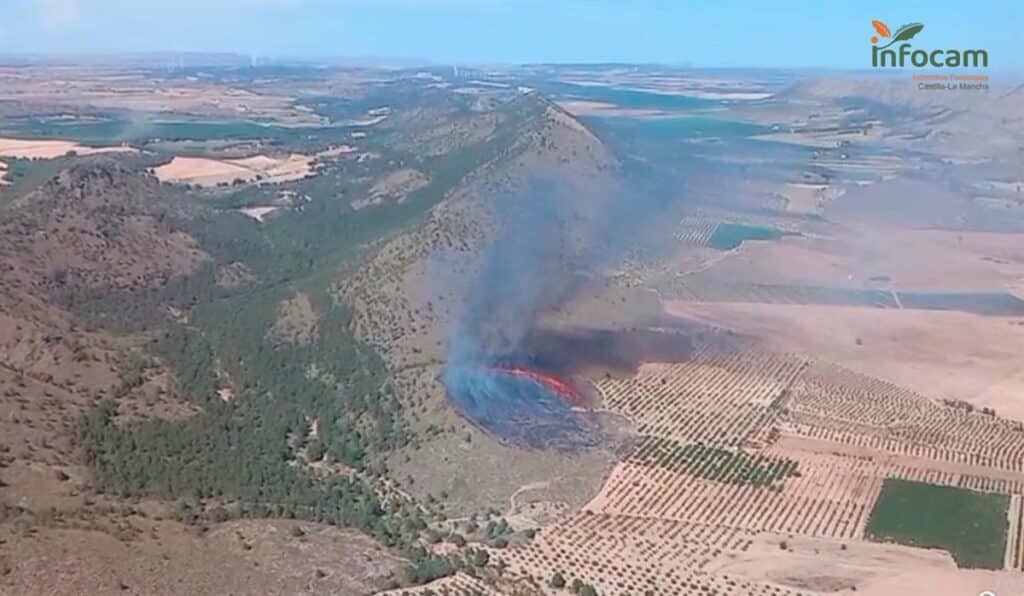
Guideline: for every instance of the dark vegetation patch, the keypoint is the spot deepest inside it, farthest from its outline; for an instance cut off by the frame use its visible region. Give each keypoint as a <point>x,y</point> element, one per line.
<point>796,294</point>
<point>674,128</point>
<point>312,244</point>
<point>728,236</point>
<point>246,455</point>
<point>117,128</point>
<point>982,303</point>
<point>622,97</point>
<point>970,525</point>
<point>26,174</point>
<point>732,466</point>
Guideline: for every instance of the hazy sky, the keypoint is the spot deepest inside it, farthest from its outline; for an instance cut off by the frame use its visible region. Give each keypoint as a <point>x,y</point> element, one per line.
<point>818,33</point>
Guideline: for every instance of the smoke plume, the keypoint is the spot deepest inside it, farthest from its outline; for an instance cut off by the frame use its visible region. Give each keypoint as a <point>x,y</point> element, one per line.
<point>551,242</point>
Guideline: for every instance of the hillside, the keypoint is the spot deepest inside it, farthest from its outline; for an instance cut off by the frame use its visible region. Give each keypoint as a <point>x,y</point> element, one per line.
<point>94,229</point>
<point>406,294</point>
<point>539,330</point>
<point>169,364</point>
<point>965,124</point>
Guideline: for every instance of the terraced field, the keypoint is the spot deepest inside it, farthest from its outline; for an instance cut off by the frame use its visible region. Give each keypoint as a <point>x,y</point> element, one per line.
<point>738,447</point>
<point>726,398</point>
<point>831,404</point>
<point>632,555</point>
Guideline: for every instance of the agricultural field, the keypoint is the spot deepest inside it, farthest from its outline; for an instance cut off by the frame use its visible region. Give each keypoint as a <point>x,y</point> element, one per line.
<point>909,349</point>
<point>216,341</point>
<point>729,236</point>
<point>209,172</point>
<point>848,355</point>
<point>692,496</point>
<point>627,554</point>
<point>235,300</point>
<point>48,149</point>
<point>718,398</point>
<point>969,524</point>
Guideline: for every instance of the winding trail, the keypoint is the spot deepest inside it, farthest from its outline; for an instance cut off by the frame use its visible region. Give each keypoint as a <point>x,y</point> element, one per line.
<point>530,486</point>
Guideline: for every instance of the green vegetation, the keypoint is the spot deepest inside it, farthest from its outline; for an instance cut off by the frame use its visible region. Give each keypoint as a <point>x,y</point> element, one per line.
<point>191,357</point>
<point>27,174</point>
<point>244,450</point>
<point>716,463</point>
<point>582,588</point>
<point>246,456</point>
<point>728,236</point>
<point>675,128</point>
<point>115,128</point>
<point>623,97</point>
<point>971,525</point>
<point>1003,304</point>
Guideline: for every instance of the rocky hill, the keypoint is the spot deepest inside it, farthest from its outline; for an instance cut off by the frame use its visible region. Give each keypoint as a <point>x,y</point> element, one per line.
<point>407,293</point>
<point>551,145</point>
<point>168,364</point>
<point>93,229</point>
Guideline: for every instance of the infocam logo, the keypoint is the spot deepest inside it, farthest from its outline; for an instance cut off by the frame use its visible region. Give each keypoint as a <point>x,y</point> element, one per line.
<point>883,55</point>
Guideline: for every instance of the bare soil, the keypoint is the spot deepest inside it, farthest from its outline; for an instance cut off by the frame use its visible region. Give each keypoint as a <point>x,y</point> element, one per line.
<point>944,354</point>
<point>48,149</point>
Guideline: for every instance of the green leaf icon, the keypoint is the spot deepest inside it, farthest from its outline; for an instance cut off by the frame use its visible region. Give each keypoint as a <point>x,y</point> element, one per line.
<point>905,33</point>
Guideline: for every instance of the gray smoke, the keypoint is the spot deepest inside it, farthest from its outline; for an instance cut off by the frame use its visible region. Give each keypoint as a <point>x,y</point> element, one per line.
<point>551,238</point>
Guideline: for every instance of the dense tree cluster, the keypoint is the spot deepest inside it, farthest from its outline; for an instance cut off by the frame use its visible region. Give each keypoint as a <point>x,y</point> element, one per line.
<point>247,455</point>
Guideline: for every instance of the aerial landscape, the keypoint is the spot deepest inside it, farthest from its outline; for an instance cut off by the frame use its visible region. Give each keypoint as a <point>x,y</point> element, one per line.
<point>536,328</point>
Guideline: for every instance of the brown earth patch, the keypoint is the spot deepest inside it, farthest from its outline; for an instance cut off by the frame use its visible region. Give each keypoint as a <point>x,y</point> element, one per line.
<point>44,149</point>
<point>208,172</point>
<point>153,555</point>
<point>297,320</point>
<point>394,186</point>
<point>944,354</point>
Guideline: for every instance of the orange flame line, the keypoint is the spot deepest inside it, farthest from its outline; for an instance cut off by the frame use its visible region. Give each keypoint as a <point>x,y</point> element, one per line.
<point>563,389</point>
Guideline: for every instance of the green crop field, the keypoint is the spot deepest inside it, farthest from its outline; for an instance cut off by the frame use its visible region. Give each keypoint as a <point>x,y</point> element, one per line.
<point>717,463</point>
<point>970,525</point>
<point>728,236</point>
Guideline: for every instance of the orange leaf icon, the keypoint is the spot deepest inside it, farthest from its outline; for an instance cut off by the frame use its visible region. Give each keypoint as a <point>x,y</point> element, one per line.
<point>882,28</point>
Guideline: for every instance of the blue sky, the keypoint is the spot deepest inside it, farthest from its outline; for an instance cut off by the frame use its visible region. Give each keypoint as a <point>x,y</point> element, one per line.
<point>821,33</point>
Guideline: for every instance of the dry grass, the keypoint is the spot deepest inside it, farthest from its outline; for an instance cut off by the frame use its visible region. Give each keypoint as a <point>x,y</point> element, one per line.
<point>459,584</point>
<point>209,172</point>
<point>43,149</point>
<point>297,322</point>
<point>944,354</point>
<point>394,186</point>
<point>152,555</point>
<point>90,87</point>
